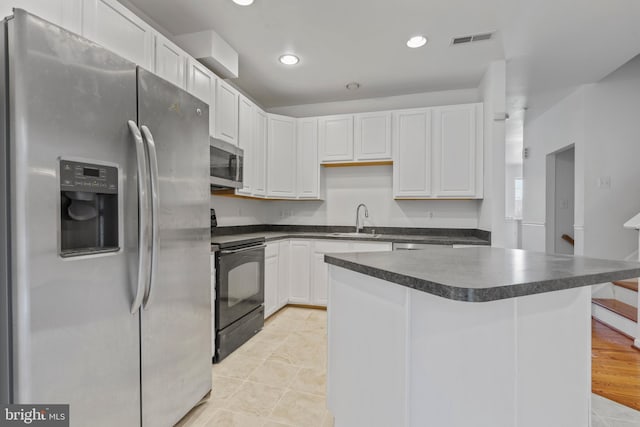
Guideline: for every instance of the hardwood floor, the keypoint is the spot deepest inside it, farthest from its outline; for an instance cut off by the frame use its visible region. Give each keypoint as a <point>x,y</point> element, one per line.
<point>615,367</point>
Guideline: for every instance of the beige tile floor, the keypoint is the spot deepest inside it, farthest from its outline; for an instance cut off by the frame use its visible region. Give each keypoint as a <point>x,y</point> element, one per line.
<point>275,379</point>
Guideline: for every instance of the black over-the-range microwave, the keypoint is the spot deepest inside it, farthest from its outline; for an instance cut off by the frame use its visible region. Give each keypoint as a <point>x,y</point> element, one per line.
<point>226,164</point>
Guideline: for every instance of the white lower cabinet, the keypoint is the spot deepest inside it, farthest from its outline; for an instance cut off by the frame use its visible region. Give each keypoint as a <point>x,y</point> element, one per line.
<point>284,273</point>
<point>271,278</point>
<point>299,290</point>
<point>319,277</point>
<point>295,271</point>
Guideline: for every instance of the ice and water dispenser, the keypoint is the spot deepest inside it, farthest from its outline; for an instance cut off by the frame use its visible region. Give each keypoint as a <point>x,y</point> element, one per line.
<point>88,208</point>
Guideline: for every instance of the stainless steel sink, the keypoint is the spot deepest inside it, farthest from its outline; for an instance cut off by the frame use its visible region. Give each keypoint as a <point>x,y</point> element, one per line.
<point>355,235</point>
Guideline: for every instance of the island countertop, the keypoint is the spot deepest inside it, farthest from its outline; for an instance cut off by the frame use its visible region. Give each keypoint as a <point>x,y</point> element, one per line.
<point>484,274</point>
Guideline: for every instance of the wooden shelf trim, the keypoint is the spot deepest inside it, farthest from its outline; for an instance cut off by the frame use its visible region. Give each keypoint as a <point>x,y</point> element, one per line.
<point>349,164</point>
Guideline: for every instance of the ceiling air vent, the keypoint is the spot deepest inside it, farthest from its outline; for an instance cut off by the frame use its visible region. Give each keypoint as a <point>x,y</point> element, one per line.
<point>472,38</point>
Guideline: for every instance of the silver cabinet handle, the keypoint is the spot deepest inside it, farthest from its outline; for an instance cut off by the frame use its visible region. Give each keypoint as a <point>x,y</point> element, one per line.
<point>143,224</point>
<point>235,251</point>
<point>155,209</point>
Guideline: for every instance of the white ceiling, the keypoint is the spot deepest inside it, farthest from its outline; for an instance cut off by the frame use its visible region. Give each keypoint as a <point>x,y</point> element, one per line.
<point>549,45</point>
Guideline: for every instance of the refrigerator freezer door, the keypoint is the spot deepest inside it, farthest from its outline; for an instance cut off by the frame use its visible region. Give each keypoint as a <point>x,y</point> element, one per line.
<point>175,323</point>
<point>5,245</point>
<point>73,336</point>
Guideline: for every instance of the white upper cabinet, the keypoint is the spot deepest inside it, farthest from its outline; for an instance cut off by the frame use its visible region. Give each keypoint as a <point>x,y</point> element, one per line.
<point>412,153</point>
<point>259,153</point>
<point>308,166</point>
<point>336,138</point>
<point>372,136</point>
<point>226,112</point>
<point>65,13</point>
<point>438,152</point>
<point>170,61</point>
<point>245,141</point>
<point>110,24</point>
<point>281,157</point>
<point>201,82</point>
<point>457,145</point>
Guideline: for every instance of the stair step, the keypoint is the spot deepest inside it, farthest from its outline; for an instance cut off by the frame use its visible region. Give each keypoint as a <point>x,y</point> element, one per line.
<point>620,308</point>
<point>631,284</point>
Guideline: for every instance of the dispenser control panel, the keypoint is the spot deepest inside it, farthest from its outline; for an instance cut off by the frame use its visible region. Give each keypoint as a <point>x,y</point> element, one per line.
<point>78,176</point>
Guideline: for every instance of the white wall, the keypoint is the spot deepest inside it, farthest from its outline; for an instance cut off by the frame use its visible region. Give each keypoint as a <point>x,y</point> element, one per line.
<point>235,211</point>
<point>416,100</point>
<point>347,187</point>
<point>612,138</point>
<point>558,127</point>
<point>492,209</point>
<point>602,119</point>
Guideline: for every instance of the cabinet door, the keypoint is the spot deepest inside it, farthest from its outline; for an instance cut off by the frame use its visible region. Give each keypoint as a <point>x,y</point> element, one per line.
<point>372,135</point>
<point>299,286</point>
<point>455,150</point>
<point>170,61</point>
<point>260,153</point>
<point>308,165</point>
<point>65,13</point>
<point>412,153</point>
<point>321,269</point>
<point>110,24</point>
<point>201,82</point>
<point>284,274</point>
<point>226,112</point>
<point>245,141</point>
<point>281,157</point>
<point>271,278</point>
<point>336,138</point>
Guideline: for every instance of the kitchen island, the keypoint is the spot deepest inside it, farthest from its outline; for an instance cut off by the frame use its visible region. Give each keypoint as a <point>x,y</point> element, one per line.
<point>447,337</point>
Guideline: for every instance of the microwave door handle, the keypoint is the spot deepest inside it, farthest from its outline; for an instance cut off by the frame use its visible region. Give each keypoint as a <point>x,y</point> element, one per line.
<point>155,210</point>
<point>232,165</point>
<point>143,223</point>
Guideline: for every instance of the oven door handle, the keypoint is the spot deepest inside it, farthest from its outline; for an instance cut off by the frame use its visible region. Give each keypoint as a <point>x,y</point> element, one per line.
<point>235,251</point>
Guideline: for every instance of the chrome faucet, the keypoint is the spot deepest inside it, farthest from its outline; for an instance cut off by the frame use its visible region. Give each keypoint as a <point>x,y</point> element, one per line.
<point>366,215</point>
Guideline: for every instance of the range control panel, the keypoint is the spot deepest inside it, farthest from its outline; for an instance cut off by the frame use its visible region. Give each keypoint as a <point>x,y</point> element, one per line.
<point>77,176</point>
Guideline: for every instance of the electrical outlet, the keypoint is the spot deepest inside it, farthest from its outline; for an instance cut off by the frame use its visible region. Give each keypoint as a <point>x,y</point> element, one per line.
<point>604,182</point>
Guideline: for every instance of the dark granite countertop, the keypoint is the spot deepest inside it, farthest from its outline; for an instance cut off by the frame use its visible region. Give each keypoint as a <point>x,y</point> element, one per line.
<point>484,274</point>
<point>237,235</point>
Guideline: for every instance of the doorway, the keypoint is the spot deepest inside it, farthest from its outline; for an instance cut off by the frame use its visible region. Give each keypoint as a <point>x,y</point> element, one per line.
<point>560,197</point>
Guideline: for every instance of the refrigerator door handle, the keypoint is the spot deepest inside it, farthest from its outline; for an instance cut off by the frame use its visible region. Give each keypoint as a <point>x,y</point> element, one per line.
<point>143,217</point>
<point>155,208</point>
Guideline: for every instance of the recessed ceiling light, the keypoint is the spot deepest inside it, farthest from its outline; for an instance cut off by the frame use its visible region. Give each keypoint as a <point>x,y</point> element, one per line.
<point>353,86</point>
<point>243,2</point>
<point>289,59</point>
<point>416,41</point>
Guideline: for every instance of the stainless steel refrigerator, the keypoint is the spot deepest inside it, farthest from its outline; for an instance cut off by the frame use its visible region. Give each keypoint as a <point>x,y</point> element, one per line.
<point>104,233</point>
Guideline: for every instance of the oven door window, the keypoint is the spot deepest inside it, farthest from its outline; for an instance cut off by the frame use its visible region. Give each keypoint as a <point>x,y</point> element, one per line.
<point>240,285</point>
<point>245,283</point>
